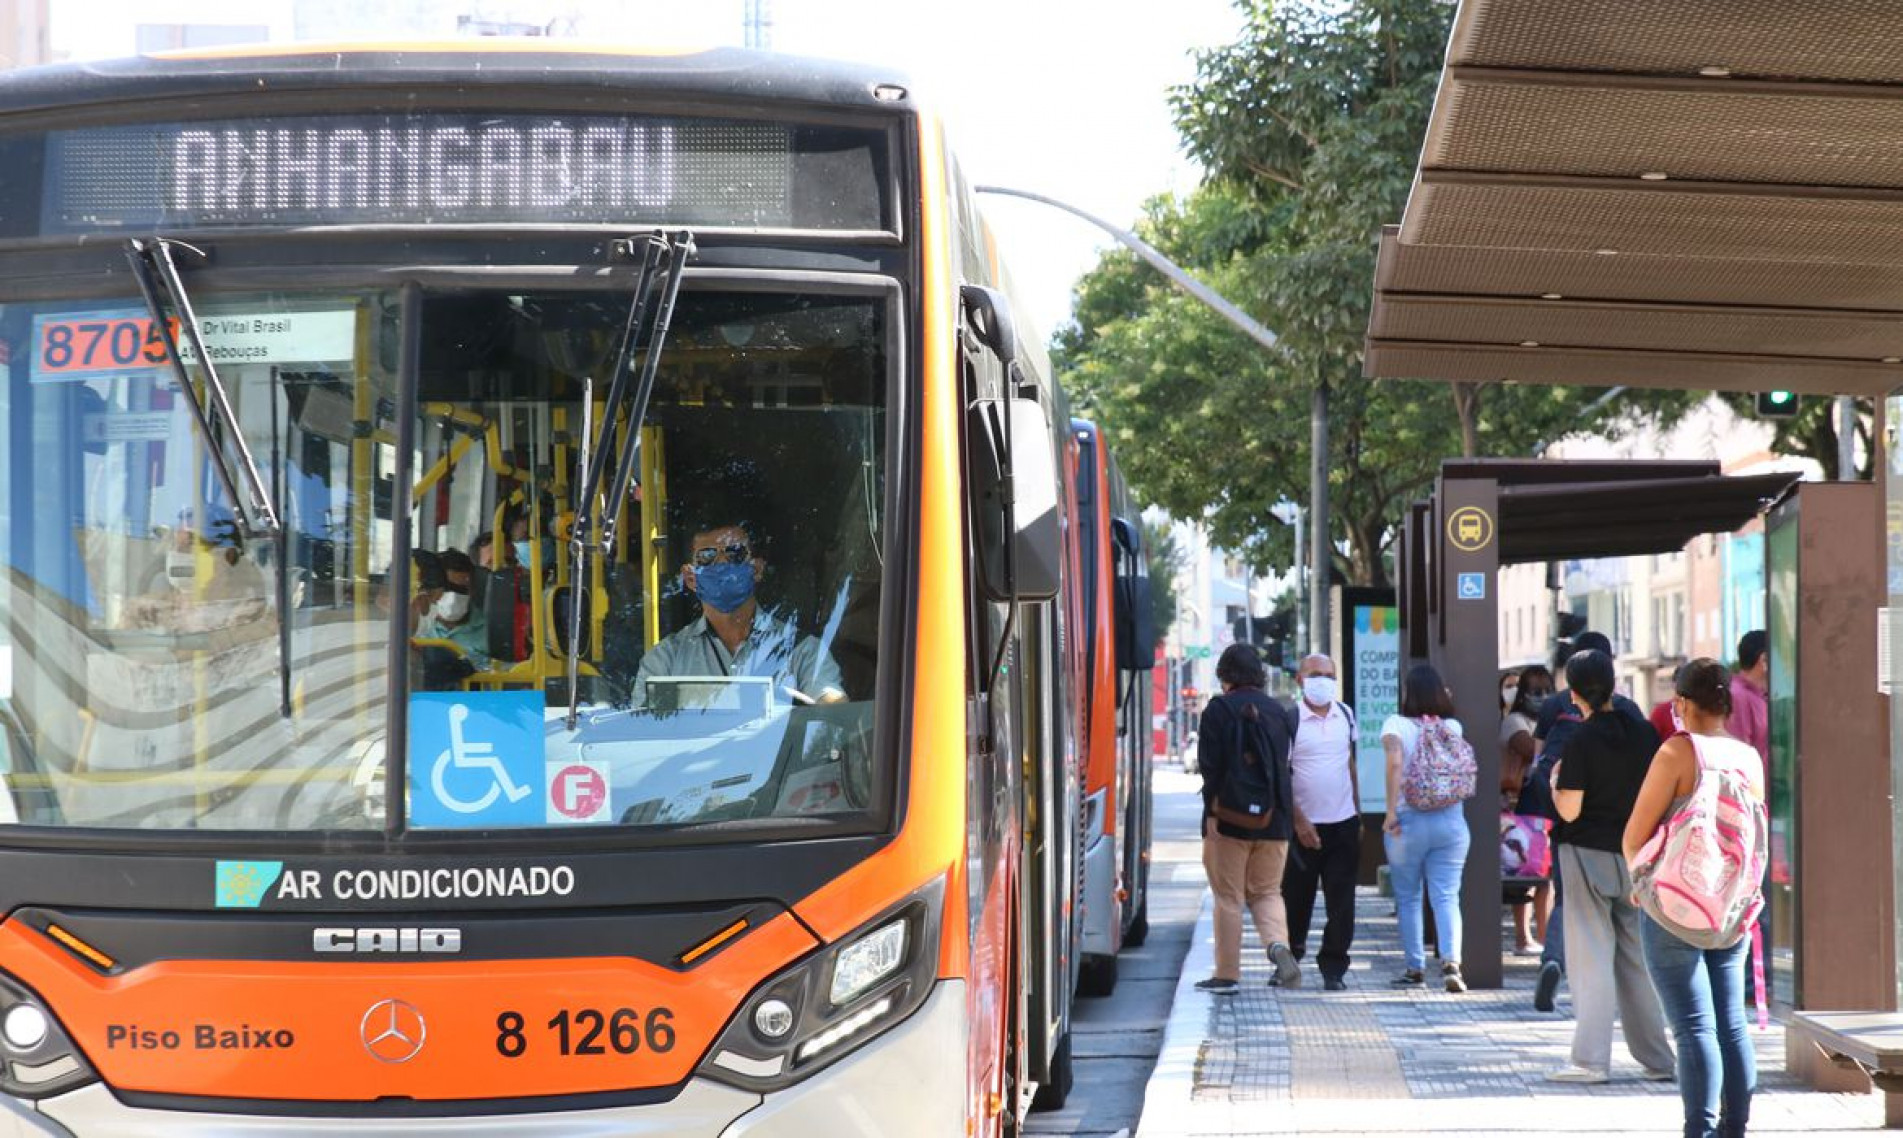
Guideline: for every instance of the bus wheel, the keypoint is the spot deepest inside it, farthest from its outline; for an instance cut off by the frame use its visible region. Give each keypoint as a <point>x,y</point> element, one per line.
<point>1053,1094</point>
<point>1139,927</point>
<point>1098,976</point>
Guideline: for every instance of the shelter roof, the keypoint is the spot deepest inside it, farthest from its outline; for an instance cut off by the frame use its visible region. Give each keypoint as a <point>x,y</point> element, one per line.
<point>1697,194</point>
<point>1555,511</point>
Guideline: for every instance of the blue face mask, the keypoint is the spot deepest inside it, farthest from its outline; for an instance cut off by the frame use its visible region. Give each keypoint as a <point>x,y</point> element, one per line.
<point>522,553</point>
<point>724,585</point>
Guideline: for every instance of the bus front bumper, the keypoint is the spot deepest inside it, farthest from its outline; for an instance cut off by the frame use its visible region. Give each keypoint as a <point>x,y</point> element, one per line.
<point>907,1081</point>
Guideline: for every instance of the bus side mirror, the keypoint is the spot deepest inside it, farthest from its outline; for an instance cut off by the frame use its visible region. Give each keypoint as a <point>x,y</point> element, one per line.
<point>1023,565</point>
<point>988,315</point>
<point>1131,614</point>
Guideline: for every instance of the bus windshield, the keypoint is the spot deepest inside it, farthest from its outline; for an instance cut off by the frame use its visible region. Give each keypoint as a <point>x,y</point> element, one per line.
<point>144,672</point>
<point>728,633</point>
<point>163,668</point>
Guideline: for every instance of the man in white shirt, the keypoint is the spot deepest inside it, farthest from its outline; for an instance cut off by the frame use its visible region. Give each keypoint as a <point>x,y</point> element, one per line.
<point>1328,797</point>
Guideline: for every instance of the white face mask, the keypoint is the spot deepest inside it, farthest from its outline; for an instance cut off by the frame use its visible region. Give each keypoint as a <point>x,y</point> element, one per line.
<point>452,607</point>
<point>1320,690</point>
<point>1509,693</point>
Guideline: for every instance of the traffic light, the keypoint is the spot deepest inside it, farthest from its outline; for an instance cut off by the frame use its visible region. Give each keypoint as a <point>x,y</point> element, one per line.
<point>1272,633</point>
<point>1777,404</point>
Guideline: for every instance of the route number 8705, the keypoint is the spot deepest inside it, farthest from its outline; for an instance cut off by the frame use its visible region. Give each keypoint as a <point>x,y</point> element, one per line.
<point>104,344</point>
<point>588,1031</point>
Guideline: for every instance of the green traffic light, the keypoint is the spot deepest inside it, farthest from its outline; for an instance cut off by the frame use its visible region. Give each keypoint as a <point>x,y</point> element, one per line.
<point>1777,404</point>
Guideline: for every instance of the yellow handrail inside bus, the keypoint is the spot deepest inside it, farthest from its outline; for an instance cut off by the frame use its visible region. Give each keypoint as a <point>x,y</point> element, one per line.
<point>652,532</point>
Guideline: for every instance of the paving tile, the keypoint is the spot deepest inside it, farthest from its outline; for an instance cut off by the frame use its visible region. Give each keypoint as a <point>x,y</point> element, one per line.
<point>1376,1060</point>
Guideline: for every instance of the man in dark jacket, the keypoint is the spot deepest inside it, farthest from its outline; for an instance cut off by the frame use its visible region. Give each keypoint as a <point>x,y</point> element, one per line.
<point>1243,855</point>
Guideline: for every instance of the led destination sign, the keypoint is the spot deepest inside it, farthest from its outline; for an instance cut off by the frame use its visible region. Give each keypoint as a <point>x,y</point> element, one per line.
<point>431,168</point>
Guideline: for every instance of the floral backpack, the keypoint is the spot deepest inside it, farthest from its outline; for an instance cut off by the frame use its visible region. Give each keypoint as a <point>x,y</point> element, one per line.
<point>1441,771</point>
<point>1701,875</point>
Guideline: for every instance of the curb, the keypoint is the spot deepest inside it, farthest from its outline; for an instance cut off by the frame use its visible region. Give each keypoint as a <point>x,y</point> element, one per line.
<point>1167,1096</point>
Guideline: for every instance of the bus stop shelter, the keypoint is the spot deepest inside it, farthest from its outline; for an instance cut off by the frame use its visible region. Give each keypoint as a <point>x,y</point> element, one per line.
<point>1692,195</point>
<point>1486,513</point>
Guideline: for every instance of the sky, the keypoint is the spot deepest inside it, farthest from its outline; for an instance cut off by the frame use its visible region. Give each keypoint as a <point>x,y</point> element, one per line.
<point>1066,98</point>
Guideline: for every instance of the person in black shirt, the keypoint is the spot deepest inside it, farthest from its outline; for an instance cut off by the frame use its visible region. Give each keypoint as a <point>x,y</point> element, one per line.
<point>1558,718</point>
<point>1594,788</point>
<point>1245,866</point>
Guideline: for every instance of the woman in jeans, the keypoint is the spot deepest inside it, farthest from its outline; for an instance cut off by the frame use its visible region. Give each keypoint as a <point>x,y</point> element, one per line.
<point>1702,989</point>
<point>1423,845</point>
<point>1594,787</point>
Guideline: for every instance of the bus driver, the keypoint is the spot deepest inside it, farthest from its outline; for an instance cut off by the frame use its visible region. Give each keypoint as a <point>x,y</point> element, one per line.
<point>734,636</point>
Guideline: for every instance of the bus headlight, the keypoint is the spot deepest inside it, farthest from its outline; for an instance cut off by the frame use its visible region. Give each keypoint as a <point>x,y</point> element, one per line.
<point>868,960</point>
<point>36,1057</point>
<point>834,1000</point>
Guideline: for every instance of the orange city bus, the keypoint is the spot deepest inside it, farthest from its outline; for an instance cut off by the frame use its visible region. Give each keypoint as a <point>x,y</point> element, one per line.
<point>535,603</point>
<point>1117,648</point>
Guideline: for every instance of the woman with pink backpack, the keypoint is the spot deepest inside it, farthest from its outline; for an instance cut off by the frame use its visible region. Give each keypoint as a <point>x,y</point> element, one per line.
<point>1430,772</point>
<point>1696,843</point>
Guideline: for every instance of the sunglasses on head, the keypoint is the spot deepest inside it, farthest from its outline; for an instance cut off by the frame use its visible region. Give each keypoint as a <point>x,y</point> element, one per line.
<point>736,554</point>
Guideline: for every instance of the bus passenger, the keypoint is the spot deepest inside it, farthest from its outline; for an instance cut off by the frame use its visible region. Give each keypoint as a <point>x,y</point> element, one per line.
<point>734,636</point>
<point>451,617</point>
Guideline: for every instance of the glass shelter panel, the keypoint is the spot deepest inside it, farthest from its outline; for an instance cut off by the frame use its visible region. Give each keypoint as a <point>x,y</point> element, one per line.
<point>1888,651</point>
<point>162,664</point>
<point>725,642</point>
<point>1781,629</point>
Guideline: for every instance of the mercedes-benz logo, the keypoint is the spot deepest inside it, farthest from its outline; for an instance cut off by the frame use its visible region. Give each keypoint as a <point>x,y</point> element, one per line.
<point>393,1031</point>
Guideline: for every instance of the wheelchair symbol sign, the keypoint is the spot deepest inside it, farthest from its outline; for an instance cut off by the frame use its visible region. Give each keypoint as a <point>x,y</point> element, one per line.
<point>475,758</point>
<point>1472,587</point>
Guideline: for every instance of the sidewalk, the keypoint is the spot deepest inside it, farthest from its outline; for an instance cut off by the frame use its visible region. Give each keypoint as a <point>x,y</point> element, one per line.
<point>1374,1060</point>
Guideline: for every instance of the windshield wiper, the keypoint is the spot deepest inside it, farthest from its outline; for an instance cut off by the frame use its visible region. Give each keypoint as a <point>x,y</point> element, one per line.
<point>154,268</point>
<point>595,522</point>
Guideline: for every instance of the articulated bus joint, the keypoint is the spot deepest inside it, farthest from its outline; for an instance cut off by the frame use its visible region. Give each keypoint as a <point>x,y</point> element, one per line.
<point>831,1002</point>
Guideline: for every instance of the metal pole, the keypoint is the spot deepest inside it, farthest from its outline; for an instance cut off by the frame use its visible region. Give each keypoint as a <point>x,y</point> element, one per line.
<point>1846,438</point>
<point>1155,260</point>
<point>1318,473</point>
<point>1300,560</point>
<point>1318,561</point>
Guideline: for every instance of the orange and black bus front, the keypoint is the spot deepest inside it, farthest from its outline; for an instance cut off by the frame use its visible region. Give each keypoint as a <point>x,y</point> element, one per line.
<point>482,568</point>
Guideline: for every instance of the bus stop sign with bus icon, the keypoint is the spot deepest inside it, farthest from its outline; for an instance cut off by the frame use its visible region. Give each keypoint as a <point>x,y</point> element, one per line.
<point>1470,528</point>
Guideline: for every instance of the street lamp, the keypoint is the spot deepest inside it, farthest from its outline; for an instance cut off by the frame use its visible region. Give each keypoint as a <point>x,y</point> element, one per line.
<point>1318,552</point>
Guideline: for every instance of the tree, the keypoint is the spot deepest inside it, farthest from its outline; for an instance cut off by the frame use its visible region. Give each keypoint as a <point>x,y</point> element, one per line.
<point>1309,126</point>
<point>1164,559</point>
<point>1812,432</point>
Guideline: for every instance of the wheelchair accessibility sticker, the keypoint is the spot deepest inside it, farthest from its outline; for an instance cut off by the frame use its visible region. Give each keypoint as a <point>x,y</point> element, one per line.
<point>476,759</point>
<point>1472,586</point>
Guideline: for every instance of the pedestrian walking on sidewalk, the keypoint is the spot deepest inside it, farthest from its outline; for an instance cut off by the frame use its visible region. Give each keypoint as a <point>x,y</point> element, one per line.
<point>1249,814</point>
<point>1559,717</point>
<point>1594,789</point>
<point>1700,981</point>
<point>1521,701</point>
<point>1328,845</point>
<point>1425,832</point>
<point>1750,718</point>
